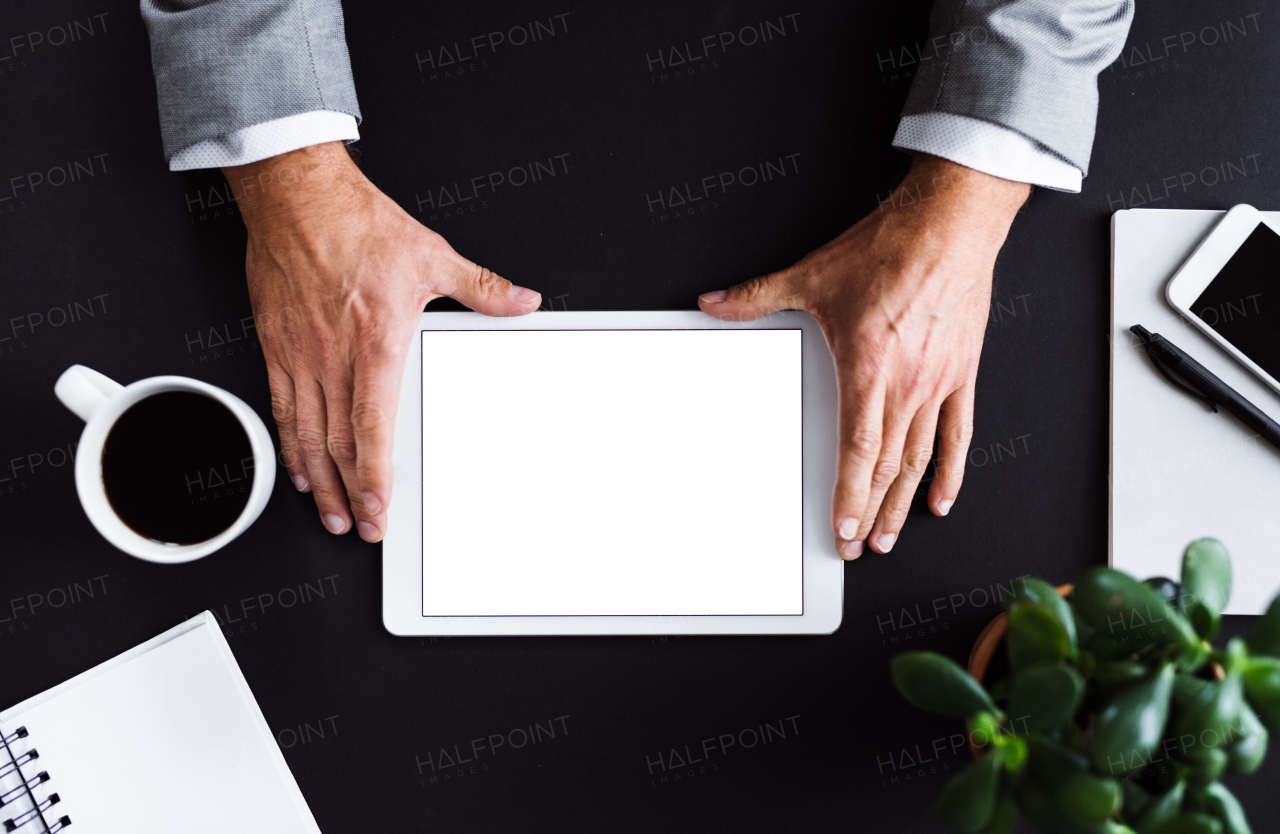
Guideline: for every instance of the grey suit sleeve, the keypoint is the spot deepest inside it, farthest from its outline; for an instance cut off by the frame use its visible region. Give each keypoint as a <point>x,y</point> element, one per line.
<point>223,65</point>
<point>1028,65</point>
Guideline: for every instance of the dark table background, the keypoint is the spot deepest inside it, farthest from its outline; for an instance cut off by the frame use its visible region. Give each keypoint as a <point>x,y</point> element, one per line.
<point>362,716</point>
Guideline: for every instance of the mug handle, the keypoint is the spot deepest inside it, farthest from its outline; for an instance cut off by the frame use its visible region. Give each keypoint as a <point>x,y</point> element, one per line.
<point>84,390</point>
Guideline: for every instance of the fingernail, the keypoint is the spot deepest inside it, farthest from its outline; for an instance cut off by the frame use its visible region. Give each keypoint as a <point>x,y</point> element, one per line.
<point>334,523</point>
<point>849,529</point>
<point>300,482</point>
<point>886,541</point>
<point>714,297</point>
<point>371,502</point>
<point>367,531</point>
<point>850,550</point>
<point>523,294</point>
<point>944,507</point>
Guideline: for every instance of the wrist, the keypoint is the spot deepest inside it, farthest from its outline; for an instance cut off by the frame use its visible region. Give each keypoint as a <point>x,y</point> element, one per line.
<point>946,223</point>
<point>950,196</point>
<point>293,185</point>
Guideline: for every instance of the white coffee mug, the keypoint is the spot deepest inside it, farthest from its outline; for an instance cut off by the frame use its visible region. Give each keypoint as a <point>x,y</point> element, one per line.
<point>99,401</point>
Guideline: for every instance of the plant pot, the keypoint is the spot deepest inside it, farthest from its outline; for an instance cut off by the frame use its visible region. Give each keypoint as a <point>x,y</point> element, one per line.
<point>984,648</point>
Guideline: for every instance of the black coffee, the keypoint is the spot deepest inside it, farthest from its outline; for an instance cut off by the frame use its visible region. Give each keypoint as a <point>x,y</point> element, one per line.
<point>178,467</point>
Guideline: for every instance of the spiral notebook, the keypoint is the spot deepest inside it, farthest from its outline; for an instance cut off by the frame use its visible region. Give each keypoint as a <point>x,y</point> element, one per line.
<point>166,737</point>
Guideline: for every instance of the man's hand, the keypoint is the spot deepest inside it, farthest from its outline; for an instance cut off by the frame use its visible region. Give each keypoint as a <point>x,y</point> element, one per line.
<point>903,299</point>
<point>338,275</point>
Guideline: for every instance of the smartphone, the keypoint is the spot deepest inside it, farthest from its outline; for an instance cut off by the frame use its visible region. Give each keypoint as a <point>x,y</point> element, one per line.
<point>1230,290</point>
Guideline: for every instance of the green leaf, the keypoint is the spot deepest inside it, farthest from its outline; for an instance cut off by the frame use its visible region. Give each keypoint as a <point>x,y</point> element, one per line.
<point>1190,823</point>
<point>1126,615</point>
<point>968,801</point>
<point>935,683</point>
<point>1131,725</point>
<point>1015,753</point>
<point>1035,636</point>
<point>1186,688</point>
<point>1087,798</point>
<point>1082,796</point>
<point>1206,576</point>
<point>1051,762</point>
<point>1162,810</point>
<point>1206,766</point>
<point>1006,814</point>
<point>1042,593</point>
<point>1212,716</point>
<point>1204,621</point>
<point>1246,755</point>
<point>1265,638</point>
<point>1045,696</point>
<point>1269,715</point>
<point>1237,654</point>
<point>1262,680</point>
<point>1114,672</point>
<point>1220,803</point>
<point>984,730</point>
<point>1039,809</point>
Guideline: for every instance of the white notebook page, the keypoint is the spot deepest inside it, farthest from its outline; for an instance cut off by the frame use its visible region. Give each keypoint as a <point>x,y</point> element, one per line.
<point>1178,471</point>
<point>165,739</point>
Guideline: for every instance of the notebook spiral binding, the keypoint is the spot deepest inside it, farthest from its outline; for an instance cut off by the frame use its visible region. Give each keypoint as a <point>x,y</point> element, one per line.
<point>18,799</point>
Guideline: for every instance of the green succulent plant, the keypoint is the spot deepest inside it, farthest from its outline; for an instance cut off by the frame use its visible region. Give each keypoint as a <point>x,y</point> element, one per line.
<point>1117,715</point>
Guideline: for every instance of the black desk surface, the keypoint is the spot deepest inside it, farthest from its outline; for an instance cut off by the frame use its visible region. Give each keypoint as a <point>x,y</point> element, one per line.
<point>376,728</point>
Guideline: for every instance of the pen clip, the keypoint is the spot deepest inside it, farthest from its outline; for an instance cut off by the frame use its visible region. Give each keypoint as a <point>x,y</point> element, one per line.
<point>1167,374</point>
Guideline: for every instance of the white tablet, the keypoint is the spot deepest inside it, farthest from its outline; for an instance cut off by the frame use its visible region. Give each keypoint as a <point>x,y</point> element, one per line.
<point>614,473</point>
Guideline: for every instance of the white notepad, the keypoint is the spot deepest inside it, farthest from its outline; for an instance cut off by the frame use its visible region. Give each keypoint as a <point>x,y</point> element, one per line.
<point>165,738</point>
<point>1178,471</point>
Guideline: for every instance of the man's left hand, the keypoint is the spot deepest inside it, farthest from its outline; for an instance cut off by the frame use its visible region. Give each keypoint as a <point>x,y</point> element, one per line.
<point>903,298</point>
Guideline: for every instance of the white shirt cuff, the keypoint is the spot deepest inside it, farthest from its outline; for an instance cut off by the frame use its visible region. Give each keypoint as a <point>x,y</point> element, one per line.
<point>987,147</point>
<point>267,139</point>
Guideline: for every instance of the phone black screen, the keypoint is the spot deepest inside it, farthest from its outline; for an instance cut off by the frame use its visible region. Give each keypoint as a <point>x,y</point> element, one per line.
<point>1242,302</point>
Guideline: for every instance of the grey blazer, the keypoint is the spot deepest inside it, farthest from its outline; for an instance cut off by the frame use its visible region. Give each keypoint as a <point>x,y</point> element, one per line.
<point>1029,65</point>
<point>222,65</point>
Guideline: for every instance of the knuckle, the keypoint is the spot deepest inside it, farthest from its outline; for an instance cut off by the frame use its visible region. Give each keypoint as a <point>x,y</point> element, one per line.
<point>916,461</point>
<point>487,282</point>
<point>311,441</point>
<point>283,410</point>
<point>367,417</point>
<point>864,442</point>
<point>342,447</point>
<point>960,433</point>
<point>885,471</point>
<point>753,290</point>
<point>291,457</point>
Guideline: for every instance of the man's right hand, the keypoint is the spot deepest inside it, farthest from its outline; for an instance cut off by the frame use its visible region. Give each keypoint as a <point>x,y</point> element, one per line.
<point>338,274</point>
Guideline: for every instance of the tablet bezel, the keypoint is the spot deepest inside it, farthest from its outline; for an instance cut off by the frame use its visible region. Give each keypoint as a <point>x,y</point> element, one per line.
<point>823,577</point>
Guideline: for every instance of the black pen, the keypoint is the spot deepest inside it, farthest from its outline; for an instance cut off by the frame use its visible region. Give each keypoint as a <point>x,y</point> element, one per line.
<point>1204,385</point>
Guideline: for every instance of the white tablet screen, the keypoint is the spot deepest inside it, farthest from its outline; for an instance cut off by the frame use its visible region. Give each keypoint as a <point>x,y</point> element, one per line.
<point>611,472</point>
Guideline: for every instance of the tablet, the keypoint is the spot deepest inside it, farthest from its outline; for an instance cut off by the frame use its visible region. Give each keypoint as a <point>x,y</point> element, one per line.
<point>614,473</point>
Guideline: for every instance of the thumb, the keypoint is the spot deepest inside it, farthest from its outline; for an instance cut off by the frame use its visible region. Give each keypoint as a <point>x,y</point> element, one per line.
<point>753,299</point>
<point>485,291</point>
